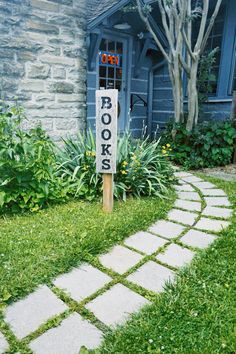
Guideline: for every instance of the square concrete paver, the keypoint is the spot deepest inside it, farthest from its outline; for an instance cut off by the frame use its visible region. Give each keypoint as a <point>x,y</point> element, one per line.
<point>191,179</point>
<point>185,188</point>
<point>217,201</point>
<point>68,338</point>
<point>120,259</point>
<point>166,229</point>
<point>213,192</point>
<point>25,316</point>
<point>181,174</point>
<point>188,205</point>
<point>82,282</point>
<point>197,239</point>
<point>217,212</point>
<point>176,256</point>
<point>152,276</point>
<point>145,242</point>
<point>3,344</point>
<point>203,185</point>
<point>189,196</point>
<point>183,217</point>
<point>211,225</point>
<point>115,305</point>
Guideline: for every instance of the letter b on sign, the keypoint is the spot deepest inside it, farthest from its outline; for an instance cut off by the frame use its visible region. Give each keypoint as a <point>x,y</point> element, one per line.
<point>106,130</point>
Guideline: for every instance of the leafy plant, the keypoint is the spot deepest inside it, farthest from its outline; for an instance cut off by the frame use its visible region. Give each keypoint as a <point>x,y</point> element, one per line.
<point>210,144</point>
<point>142,168</point>
<point>206,77</point>
<point>28,178</point>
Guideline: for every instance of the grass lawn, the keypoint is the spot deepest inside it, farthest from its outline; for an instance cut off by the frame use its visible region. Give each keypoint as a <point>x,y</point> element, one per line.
<point>37,247</point>
<point>198,314</point>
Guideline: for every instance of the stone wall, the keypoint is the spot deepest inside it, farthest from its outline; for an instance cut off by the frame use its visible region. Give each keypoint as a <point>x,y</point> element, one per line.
<point>43,61</point>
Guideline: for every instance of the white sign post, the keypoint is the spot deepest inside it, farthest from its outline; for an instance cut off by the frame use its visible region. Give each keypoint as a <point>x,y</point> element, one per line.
<point>106,141</point>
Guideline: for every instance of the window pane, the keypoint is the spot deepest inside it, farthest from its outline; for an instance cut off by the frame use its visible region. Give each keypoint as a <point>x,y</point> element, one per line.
<point>119,73</point>
<point>110,84</point>
<point>119,47</point>
<point>111,46</point>
<point>118,85</point>
<point>102,84</point>
<point>234,77</point>
<point>111,73</point>
<point>102,71</point>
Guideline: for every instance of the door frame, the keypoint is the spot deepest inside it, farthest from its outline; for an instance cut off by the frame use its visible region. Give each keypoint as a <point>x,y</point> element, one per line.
<point>127,64</point>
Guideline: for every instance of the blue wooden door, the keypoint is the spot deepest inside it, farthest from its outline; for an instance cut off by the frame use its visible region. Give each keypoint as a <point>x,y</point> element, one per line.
<point>112,72</point>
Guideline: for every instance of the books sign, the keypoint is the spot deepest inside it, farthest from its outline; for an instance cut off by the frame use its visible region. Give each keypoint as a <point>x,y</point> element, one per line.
<point>106,130</point>
<point>106,141</point>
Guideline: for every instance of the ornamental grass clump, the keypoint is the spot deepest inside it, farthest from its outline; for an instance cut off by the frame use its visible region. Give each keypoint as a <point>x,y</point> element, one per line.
<point>142,168</point>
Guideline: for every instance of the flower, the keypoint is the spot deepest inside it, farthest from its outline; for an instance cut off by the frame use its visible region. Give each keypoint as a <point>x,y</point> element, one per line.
<point>125,163</point>
<point>90,153</point>
<point>168,145</point>
<point>164,151</point>
<point>123,172</point>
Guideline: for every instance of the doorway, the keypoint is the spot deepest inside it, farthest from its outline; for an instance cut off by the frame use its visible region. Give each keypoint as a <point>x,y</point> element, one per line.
<point>112,72</point>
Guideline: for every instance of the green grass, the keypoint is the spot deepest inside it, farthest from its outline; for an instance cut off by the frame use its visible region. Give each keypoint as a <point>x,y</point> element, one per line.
<point>197,314</point>
<point>37,247</point>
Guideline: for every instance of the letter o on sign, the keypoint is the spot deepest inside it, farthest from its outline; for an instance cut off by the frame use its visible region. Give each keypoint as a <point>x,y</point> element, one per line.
<point>106,118</point>
<point>106,134</point>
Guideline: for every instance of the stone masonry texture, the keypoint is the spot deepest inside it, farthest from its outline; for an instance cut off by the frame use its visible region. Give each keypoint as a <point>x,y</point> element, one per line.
<point>43,58</point>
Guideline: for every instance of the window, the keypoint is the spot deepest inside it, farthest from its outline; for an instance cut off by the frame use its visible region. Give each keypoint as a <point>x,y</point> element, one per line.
<point>233,78</point>
<point>215,41</point>
<point>110,65</point>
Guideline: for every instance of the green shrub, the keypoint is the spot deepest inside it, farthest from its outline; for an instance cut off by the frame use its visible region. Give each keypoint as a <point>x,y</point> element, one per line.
<point>210,144</point>
<point>142,168</point>
<point>28,178</point>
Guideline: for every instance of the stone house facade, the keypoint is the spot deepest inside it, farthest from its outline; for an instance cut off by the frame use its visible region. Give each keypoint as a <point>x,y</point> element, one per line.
<point>43,60</point>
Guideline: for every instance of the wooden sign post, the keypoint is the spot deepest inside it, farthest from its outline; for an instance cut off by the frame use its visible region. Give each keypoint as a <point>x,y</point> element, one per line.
<point>106,141</point>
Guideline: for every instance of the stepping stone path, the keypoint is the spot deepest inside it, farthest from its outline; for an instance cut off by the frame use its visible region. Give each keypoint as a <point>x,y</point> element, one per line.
<point>3,344</point>
<point>110,291</point>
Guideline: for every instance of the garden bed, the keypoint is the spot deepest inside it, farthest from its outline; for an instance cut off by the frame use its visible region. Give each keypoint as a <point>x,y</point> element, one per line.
<point>227,172</point>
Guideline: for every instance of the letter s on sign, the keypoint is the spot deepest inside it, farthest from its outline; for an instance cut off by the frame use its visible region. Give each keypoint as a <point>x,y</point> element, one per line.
<point>106,164</point>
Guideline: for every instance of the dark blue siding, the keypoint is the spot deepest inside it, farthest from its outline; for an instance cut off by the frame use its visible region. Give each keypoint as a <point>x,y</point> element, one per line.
<point>162,104</point>
<point>139,86</point>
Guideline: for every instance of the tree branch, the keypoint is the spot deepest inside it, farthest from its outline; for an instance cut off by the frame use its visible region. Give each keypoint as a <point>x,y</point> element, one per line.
<point>202,26</point>
<point>149,27</point>
<point>211,24</point>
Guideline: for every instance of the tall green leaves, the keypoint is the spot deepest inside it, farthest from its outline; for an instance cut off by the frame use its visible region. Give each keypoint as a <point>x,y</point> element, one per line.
<point>141,167</point>
<point>27,164</point>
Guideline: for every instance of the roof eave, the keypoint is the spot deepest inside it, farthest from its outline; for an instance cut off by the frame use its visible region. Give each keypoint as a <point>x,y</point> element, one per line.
<point>95,22</point>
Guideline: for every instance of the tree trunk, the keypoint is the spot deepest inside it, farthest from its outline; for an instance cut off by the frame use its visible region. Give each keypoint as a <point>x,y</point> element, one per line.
<point>176,79</point>
<point>193,108</point>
